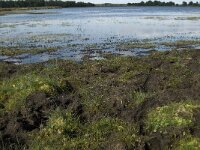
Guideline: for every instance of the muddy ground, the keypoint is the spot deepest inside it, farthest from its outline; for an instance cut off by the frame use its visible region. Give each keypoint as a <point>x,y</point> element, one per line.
<point>120,103</point>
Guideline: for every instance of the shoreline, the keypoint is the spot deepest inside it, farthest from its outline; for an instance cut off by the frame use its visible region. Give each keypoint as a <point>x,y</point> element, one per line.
<point>22,10</point>
<point>125,93</point>
<point>22,55</point>
<point>116,96</point>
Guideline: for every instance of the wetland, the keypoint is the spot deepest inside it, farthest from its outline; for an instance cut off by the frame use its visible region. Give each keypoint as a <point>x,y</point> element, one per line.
<point>119,78</point>
<point>76,33</point>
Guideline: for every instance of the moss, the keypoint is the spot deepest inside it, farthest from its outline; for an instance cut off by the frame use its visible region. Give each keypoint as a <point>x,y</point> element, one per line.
<point>126,67</point>
<point>173,59</point>
<point>172,115</point>
<point>188,18</point>
<point>93,105</point>
<point>127,76</point>
<point>110,95</point>
<point>58,131</point>
<point>182,43</point>
<point>63,131</point>
<point>174,82</point>
<point>137,98</point>
<point>136,45</point>
<point>14,91</point>
<point>188,143</point>
<point>109,130</point>
<point>11,51</point>
<point>156,18</point>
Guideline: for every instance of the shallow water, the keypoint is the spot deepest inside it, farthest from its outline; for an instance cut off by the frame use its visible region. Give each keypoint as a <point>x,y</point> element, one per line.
<point>83,31</point>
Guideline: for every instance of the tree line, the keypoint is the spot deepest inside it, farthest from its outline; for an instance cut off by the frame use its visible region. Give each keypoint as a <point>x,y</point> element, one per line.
<point>60,3</point>
<point>42,3</point>
<point>159,3</point>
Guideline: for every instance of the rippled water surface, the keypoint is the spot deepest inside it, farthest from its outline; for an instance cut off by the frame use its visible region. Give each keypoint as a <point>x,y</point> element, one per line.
<point>88,31</point>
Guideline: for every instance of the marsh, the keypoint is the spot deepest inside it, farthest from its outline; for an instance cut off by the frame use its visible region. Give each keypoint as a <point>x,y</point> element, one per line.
<point>79,32</point>
<point>133,81</point>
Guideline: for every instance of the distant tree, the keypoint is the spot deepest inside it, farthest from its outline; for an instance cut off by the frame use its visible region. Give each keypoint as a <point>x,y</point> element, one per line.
<point>60,3</point>
<point>142,3</point>
<point>152,3</point>
<point>42,3</point>
<point>149,3</point>
<point>196,4</point>
<point>190,3</point>
<point>159,3</point>
<point>184,3</point>
<point>170,3</point>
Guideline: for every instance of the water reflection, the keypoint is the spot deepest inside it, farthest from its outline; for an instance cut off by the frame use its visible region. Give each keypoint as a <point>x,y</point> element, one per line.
<point>78,27</point>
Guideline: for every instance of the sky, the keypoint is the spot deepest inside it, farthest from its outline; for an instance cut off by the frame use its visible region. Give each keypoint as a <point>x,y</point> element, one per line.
<point>131,1</point>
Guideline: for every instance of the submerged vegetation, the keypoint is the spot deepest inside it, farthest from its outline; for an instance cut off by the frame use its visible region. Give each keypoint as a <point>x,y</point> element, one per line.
<point>89,51</point>
<point>137,45</point>
<point>182,43</point>
<point>13,51</point>
<point>116,103</point>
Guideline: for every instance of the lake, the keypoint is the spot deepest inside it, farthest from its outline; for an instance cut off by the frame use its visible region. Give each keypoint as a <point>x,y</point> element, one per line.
<point>76,33</point>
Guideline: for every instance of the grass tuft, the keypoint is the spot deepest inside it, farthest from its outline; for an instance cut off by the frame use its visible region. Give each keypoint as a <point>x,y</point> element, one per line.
<point>188,143</point>
<point>172,115</point>
<point>14,91</point>
<point>63,131</point>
